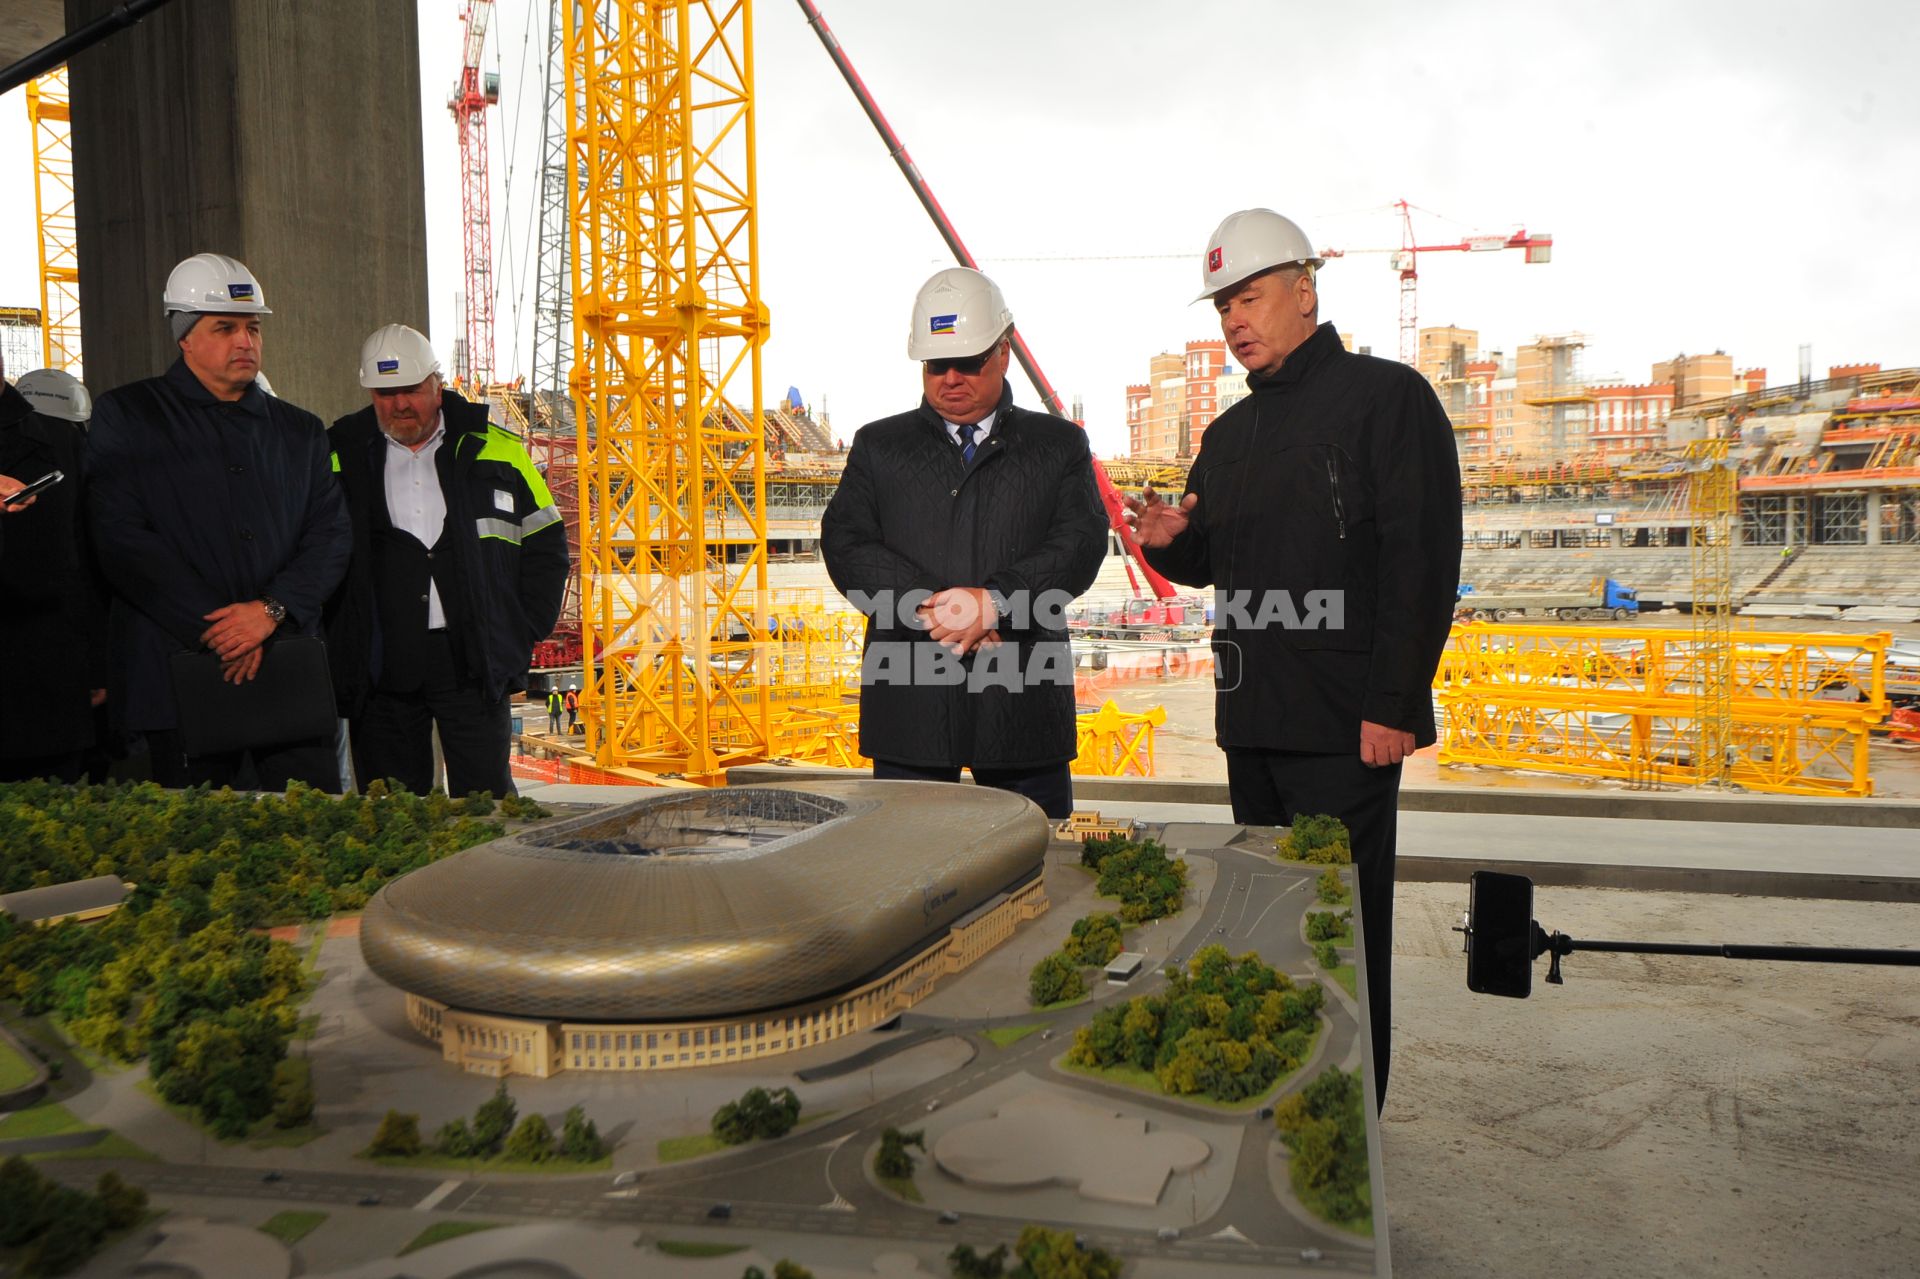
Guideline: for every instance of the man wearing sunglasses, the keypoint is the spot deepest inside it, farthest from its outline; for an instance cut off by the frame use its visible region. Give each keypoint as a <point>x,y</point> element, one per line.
<point>962,529</point>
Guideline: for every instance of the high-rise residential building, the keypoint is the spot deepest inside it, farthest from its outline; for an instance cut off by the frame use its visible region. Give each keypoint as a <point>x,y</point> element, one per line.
<point>1554,404</point>
<point>1169,412</point>
<point>1473,422</point>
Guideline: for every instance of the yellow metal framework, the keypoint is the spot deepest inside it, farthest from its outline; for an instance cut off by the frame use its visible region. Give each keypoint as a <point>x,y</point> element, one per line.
<point>1712,500</point>
<point>53,204</point>
<point>1583,701</point>
<point>668,318</point>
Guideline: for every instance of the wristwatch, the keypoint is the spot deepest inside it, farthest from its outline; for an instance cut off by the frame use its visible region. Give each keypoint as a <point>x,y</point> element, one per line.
<point>1001,607</point>
<point>276,611</point>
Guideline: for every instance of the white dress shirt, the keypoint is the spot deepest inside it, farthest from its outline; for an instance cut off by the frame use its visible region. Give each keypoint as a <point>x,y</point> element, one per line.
<point>415,503</point>
<point>982,429</point>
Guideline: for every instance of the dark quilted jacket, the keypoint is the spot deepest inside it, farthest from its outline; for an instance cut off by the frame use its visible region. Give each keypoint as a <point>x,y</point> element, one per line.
<point>911,516</point>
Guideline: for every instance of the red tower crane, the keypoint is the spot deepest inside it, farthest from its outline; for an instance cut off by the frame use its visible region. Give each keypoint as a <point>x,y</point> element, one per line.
<point>476,91</point>
<point>1406,261</point>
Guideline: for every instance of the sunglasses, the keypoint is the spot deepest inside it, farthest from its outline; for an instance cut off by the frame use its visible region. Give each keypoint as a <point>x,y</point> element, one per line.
<point>970,366</point>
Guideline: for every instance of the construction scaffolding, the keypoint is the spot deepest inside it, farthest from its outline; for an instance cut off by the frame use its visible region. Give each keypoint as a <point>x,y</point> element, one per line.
<point>47,113</point>
<point>668,328</point>
<point>1585,702</point>
<point>1713,498</point>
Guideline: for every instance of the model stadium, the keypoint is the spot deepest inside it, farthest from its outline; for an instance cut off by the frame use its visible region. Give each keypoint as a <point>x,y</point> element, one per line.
<point>697,929</point>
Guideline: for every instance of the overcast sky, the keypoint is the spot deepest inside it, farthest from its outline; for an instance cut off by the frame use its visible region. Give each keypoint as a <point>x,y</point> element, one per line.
<point>1737,176</point>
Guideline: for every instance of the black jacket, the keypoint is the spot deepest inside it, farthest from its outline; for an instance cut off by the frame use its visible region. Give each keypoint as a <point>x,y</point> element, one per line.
<point>1338,474</point>
<point>501,563</point>
<point>198,503</point>
<point>52,629</point>
<point>1023,519</point>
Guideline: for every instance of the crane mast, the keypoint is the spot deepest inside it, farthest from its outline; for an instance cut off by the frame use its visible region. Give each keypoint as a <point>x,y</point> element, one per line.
<point>476,91</point>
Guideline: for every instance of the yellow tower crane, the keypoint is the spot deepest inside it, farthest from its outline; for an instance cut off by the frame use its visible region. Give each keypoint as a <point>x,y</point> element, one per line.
<point>668,325</point>
<point>53,205</point>
<point>1712,501</point>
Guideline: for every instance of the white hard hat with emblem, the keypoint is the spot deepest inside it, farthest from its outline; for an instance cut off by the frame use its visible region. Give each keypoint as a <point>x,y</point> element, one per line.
<point>1249,242</point>
<point>957,313</point>
<point>396,356</point>
<point>213,283</point>
<point>56,393</point>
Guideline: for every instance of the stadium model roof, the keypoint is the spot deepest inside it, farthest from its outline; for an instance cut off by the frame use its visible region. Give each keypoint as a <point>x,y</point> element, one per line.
<point>704,904</point>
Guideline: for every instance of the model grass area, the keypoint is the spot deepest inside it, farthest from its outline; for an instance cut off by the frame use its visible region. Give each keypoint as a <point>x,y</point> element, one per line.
<point>291,1227</point>
<point>1008,1036</point>
<point>178,975</point>
<point>16,1071</point>
<point>902,1188</point>
<point>50,1119</point>
<point>1226,1029</point>
<point>1348,978</point>
<point>1324,1127</point>
<point>496,1163</point>
<point>441,1231</point>
<point>688,1248</point>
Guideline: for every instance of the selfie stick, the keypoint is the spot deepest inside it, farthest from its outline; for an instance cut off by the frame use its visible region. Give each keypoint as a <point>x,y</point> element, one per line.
<point>1561,944</point>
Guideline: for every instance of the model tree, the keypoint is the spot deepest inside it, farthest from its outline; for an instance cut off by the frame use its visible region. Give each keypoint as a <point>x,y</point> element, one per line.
<point>493,1121</point>
<point>1095,940</point>
<point>580,1139</point>
<point>398,1135</point>
<point>1324,1127</point>
<point>1315,838</point>
<point>965,1263</point>
<point>532,1140</point>
<point>1055,979</point>
<point>758,1114</point>
<point>892,1162</point>
<point>1056,1254</point>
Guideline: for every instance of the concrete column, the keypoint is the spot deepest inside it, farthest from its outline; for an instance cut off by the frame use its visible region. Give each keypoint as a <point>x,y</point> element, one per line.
<point>1873,518</point>
<point>286,134</point>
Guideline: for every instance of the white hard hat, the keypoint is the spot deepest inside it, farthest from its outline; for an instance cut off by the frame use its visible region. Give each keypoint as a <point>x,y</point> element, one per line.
<point>396,356</point>
<point>1249,242</point>
<point>959,312</point>
<point>215,284</point>
<point>56,393</point>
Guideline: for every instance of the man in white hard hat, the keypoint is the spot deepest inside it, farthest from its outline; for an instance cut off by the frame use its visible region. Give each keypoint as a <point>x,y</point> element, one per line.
<point>217,522</point>
<point>459,565</point>
<point>1324,509</point>
<point>52,633</point>
<point>962,529</point>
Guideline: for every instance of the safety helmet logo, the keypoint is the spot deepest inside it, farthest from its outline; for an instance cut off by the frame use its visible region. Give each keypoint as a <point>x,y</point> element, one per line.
<point>388,366</point>
<point>240,292</point>
<point>1215,257</point>
<point>942,323</point>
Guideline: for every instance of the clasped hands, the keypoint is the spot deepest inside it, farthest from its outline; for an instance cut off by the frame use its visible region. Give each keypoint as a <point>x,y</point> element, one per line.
<point>961,619</point>
<point>235,637</point>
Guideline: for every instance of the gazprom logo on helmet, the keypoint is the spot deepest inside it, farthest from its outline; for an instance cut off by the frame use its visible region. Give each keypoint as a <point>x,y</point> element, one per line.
<point>386,366</point>
<point>240,292</point>
<point>942,323</point>
<point>1216,258</point>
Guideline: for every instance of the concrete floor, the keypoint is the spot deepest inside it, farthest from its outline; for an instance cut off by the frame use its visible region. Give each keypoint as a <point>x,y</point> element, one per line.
<point>1656,1116</point>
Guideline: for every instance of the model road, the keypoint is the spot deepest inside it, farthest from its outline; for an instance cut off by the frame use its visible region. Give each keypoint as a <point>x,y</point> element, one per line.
<point>814,1182</point>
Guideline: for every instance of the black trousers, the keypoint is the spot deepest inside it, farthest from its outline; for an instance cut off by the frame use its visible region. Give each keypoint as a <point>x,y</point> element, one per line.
<point>267,768</point>
<point>1051,786</point>
<point>1270,788</point>
<point>393,734</point>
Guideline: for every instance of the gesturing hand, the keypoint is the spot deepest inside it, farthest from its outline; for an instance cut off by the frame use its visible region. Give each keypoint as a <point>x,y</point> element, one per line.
<point>1155,522</point>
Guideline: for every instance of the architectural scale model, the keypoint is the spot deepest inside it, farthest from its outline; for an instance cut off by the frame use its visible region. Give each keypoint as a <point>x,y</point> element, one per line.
<point>700,929</point>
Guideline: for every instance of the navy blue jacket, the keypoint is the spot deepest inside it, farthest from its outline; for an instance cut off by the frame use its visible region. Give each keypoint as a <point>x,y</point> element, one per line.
<point>198,503</point>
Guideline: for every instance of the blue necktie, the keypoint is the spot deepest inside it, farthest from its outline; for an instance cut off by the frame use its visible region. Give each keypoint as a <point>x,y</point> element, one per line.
<point>966,441</point>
